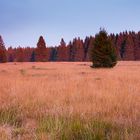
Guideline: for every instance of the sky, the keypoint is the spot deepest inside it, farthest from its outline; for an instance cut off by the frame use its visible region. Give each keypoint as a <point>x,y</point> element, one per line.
<point>23,21</point>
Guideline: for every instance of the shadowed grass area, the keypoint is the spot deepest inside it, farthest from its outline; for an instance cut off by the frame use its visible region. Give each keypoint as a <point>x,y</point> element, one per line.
<point>22,71</point>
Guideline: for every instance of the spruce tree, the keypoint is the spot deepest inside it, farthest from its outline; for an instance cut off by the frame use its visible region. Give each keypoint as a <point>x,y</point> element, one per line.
<point>41,51</point>
<point>3,57</point>
<point>32,59</point>
<point>103,53</point>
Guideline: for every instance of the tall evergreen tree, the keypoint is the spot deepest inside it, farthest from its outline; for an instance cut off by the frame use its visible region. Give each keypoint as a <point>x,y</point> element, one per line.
<point>103,54</point>
<point>32,59</point>
<point>79,50</point>
<point>19,54</point>
<point>62,43</point>
<point>3,57</point>
<point>62,52</point>
<point>53,54</point>
<point>41,51</point>
<point>122,49</point>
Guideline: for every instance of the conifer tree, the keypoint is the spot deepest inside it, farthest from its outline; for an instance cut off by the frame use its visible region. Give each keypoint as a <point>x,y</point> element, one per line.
<point>3,57</point>
<point>122,48</point>
<point>19,54</point>
<point>32,59</point>
<point>103,54</point>
<point>62,53</point>
<point>41,51</point>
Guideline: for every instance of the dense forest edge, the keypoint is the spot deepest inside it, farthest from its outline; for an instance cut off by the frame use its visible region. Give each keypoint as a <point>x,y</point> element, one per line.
<point>127,45</point>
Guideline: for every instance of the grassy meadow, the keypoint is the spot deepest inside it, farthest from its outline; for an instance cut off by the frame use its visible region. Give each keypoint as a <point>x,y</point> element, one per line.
<point>69,101</point>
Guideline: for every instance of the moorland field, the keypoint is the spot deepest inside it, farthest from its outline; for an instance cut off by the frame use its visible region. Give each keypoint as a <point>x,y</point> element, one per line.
<point>69,101</point>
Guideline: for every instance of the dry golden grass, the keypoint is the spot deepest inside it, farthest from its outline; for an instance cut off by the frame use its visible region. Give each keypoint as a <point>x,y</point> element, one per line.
<point>30,91</point>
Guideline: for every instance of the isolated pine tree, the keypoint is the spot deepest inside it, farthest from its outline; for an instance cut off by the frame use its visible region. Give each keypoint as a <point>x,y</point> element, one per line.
<point>103,54</point>
<point>3,57</point>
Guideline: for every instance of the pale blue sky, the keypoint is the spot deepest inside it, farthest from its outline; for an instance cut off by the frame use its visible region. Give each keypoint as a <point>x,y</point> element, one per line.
<point>23,21</point>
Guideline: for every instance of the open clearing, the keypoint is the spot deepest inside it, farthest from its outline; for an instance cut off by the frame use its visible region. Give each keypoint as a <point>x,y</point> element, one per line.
<point>69,101</point>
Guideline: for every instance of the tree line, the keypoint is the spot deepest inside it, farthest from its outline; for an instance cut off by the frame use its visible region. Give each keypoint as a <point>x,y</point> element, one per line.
<point>126,43</point>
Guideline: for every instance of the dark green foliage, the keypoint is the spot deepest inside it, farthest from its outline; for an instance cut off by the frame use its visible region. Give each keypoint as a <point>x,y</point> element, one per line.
<point>103,53</point>
<point>122,49</point>
<point>10,58</point>
<point>53,54</point>
<point>32,57</point>
<point>3,57</point>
